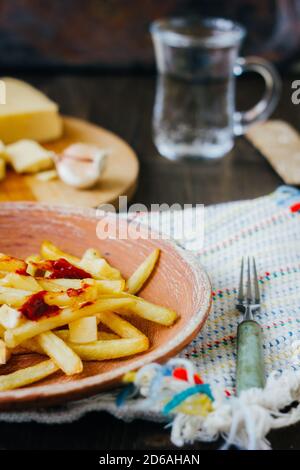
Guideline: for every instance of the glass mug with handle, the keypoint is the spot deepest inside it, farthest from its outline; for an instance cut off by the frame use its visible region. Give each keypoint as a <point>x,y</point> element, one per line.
<point>194,112</point>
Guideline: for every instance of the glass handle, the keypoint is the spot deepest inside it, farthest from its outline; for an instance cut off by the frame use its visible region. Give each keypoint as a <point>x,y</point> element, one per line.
<point>263,109</point>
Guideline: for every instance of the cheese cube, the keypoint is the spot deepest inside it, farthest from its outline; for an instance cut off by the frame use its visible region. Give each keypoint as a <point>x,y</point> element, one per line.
<point>27,156</point>
<point>10,317</point>
<point>83,330</point>
<point>47,175</point>
<point>27,114</point>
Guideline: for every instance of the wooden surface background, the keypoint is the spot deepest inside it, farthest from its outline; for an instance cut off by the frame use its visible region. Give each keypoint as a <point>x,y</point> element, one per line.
<point>116,32</point>
<point>123,103</point>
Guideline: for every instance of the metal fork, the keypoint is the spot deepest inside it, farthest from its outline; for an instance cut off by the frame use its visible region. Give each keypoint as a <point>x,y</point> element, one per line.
<point>250,365</point>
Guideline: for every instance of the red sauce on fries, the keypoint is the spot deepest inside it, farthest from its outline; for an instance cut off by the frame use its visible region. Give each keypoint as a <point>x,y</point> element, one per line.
<point>35,307</point>
<point>61,268</point>
<point>22,272</point>
<point>74,292</point>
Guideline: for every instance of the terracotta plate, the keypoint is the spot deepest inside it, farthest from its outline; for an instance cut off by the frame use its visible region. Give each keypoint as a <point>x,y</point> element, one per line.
<point>178,282</point>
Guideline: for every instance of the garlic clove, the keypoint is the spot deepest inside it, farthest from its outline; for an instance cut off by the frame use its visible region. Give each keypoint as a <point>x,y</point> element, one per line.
<point>81,165</point>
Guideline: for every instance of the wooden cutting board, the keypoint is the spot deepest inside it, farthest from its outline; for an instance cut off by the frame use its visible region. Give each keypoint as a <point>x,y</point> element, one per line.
<point>119,177</point>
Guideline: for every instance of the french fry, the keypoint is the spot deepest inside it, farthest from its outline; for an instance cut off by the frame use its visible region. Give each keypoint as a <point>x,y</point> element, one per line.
<point>71,296</point>
<point>105,336</point>
<point>55,285</point>
<point>60,299</point>
<point>104,286</point>
<point>27,376</point>
<point>61,285</point>
<point>91,253</point>
<point>113,349</point>
<point>156,313</point>
<point>107,286</point>
<point>51,285</point>
<point>83,330</point>
<point>13,297</point>
<point>118,325</point>
<point>31,264</point>
<point>50,251</point>
<point>10,317</point>
<point>11,264</point>
<point>29,329</point>
<point>63,356</point>
<point>94,265</point>
<point>99,269</point>
<point>142,273</point>
<point>93,262</point>
<point>4,352</point>
<point>147,310</point>
<point>98,350</point>
<point>19,281</point>
<point>102,335</point>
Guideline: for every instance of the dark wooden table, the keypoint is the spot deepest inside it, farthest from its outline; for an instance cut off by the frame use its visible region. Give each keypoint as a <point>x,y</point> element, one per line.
<point>123,103</point>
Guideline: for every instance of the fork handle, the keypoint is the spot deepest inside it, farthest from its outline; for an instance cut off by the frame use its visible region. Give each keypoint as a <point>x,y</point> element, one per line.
<point>250,364</point>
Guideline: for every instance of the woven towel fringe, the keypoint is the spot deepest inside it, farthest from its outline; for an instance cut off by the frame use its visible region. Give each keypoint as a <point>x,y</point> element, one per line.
<point>243,422</point>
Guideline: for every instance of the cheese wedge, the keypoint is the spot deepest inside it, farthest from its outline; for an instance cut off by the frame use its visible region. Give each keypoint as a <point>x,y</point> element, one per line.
<point>28,114</point>
<point>27,156</point>
<point>2,168</point>
<point>2,161</point>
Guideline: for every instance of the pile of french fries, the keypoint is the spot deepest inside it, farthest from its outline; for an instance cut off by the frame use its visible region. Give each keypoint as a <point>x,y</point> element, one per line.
<point>87,315</point>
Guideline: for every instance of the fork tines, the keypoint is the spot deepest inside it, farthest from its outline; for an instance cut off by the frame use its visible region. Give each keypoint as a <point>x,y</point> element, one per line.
<point>249,299</point>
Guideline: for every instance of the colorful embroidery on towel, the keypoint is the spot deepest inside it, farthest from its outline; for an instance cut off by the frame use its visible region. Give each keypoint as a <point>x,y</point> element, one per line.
<point>171,388</point>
